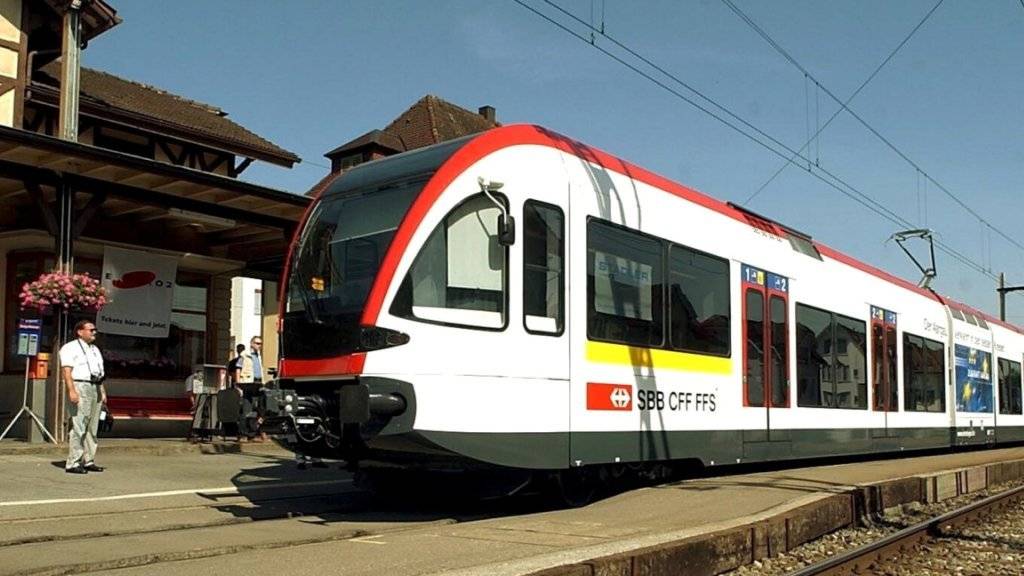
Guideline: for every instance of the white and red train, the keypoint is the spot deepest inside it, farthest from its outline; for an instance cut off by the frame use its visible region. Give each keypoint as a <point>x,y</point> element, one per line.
<point>520,299</point>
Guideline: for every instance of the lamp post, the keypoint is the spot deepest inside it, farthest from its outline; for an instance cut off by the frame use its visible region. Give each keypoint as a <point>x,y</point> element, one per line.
<point>1003,289</point>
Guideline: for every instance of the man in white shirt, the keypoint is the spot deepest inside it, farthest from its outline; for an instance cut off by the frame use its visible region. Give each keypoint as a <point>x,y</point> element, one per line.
<point>82,371</point>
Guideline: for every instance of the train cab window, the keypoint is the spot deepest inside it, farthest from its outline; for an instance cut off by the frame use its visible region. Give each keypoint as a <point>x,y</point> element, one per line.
<point>924,368</point>
<point>459,277</point>
<point>698,294</point>
<point>831,359</point>
<point>543,268</point>
<point>624,286</point>
<point>1009,387</point>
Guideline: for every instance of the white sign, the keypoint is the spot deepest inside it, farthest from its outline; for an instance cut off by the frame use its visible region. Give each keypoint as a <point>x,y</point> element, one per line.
<point>622,287</point>
<point>140,286</point>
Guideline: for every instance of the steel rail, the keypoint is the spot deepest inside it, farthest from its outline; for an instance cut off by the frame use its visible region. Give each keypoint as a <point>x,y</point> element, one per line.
<point>860,558</point>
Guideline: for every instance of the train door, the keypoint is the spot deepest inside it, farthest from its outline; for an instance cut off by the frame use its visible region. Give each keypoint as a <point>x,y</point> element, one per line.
<point>765,299</point>
<point>542,254</point>
<point>884,368</point>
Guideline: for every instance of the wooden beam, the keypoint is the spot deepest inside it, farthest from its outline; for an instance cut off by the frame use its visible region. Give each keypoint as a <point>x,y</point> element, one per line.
<point>175,158</point>
<point>87,213</point>
<point>12,193</point>
<point>37,196</point>
<point>239,168</point>
<point>252,235</point>
<point>135,209</point>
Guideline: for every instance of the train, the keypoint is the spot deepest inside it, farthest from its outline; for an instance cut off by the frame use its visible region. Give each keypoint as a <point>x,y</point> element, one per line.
<point>519,300</point>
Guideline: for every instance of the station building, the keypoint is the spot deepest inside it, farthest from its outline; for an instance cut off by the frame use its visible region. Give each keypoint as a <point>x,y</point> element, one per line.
<point>147,173</point>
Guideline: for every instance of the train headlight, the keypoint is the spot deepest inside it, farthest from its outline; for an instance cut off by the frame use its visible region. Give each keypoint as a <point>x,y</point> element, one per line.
<point>288,408</point>
<point>288,399</point>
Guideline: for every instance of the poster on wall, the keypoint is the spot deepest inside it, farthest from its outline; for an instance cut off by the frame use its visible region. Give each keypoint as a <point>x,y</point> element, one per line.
<point>140,287</point>
<point>973,380</point>
<point>622,287</point>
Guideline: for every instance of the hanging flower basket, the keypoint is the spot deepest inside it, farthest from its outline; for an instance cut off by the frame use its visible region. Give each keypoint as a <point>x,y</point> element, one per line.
<point>57,290</point>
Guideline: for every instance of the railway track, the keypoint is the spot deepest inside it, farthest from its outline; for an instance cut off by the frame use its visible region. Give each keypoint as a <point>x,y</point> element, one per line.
<point>983,537</point>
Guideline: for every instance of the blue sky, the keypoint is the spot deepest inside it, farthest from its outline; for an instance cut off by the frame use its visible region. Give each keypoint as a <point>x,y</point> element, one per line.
<point>310,75</point>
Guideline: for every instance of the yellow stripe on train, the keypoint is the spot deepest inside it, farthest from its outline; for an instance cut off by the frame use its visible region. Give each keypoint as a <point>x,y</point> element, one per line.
<point>620,354</point>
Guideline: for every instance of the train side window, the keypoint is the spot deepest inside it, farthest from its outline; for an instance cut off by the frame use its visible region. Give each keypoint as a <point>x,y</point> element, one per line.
<point>924,367</point>
<point>459,277</point>
<point>831,359</point>
<point>814,344</point>
<point>1009,387</point>
<point>624,286</point>
<point>543,268</point>
<point>852,379</point>
<point>698,287</point>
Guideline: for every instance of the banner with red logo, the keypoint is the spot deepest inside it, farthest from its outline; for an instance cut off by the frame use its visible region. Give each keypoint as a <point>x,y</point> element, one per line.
<point>140,287</point>
<point>609,396</point>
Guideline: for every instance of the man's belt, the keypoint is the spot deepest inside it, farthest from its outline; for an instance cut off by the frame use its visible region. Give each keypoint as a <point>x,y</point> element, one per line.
<point>86,381</point>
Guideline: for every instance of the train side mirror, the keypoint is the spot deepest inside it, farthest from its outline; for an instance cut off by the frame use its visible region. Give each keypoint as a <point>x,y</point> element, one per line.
<point>506,230</point>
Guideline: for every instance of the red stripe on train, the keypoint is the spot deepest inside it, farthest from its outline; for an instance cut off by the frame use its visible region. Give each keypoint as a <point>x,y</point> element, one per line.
<point>351,364</point>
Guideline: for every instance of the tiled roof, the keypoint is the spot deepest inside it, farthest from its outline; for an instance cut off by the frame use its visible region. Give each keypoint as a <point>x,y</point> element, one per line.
<point>208,123</point>
<point>432,120</point>
<point>429,121</point>
<point>378,137</point>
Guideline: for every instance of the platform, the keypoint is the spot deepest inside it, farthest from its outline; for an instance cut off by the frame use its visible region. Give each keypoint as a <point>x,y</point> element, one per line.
<point>698,526</point>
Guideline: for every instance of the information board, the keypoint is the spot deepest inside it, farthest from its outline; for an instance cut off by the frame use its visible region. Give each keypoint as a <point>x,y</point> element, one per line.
<point>29,330</point>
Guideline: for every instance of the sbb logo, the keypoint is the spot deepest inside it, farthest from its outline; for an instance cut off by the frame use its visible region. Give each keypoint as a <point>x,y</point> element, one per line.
<point>137,279</point>
<point>618,397</point>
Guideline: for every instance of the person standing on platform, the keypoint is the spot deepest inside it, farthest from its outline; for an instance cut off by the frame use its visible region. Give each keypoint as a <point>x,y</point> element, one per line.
<point>250,379</point>
<point>83,374</point>
<point>252,363</point>
<point>234,365</point>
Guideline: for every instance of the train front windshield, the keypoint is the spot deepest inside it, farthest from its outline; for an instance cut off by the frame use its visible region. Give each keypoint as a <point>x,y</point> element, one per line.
<point>334,266</point>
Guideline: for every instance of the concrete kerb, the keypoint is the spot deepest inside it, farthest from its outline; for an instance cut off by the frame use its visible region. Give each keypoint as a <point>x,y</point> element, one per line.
<point>153,447</point>
<point>786,527</point>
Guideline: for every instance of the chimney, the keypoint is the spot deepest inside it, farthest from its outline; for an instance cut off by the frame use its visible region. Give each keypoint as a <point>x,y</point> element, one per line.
<point>488,113</point>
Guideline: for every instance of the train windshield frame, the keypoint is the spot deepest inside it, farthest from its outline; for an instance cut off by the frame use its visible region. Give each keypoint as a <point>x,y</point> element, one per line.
<point>335,264</point>
<point>363,209</point>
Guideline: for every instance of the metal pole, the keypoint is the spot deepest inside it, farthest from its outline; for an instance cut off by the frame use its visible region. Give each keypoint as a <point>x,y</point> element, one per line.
<point>1002,297</point>
<point>70,69</point>
<point>67,129</point>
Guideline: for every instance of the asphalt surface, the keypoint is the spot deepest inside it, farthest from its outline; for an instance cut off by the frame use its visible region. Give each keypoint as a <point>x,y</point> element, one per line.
<point>254,513</point>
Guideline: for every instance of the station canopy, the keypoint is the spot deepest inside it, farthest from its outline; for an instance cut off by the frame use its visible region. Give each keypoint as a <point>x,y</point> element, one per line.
<point>127,199</point>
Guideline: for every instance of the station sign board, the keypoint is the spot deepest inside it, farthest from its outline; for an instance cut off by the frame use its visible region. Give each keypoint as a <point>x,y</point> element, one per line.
<point>29,331</point>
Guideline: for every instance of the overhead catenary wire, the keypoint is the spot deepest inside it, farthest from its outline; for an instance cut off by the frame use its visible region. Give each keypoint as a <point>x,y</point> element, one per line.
<point>776,147</point>
<point>848,100</point>
<point>843,107</point>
